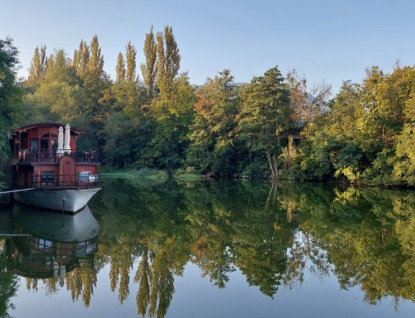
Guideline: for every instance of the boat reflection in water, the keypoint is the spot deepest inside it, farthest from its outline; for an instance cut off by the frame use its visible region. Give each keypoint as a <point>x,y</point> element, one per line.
<point>46,245</point>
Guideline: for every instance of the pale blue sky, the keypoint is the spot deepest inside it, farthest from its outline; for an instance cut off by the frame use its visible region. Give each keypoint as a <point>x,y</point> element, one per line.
<point>326,40</point>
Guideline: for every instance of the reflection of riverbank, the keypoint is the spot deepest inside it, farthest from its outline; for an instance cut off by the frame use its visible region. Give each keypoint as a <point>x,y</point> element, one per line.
<point>4,223</point>
<point>176,250</point>
<point>2,246</point>
<point>46,244</point>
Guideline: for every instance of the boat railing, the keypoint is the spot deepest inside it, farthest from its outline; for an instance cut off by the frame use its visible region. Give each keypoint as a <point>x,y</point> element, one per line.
<point>45,156</point>
<point>50,180</point>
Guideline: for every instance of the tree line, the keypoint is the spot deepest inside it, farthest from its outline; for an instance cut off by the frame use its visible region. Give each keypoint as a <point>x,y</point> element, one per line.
<point>273,126</point>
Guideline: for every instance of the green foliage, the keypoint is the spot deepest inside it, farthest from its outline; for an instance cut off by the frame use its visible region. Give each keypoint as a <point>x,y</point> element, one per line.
<point>404,168</point>
<point>348,162</point>
<point>168,61</point>
<point>125,136</point>
<point>143,177</point>
<point>130,56</point>
<point>188,174</point>
<point>148,68</point>
<point>255,169</point>
<point>264,116</point>
<point>120,68</point>
<point>212,144</point>
<point>2,184</point>
<point>59,95</point>
<point>367,135</point>
<point>173,118</point>
<point>380,171</point>
<point>11,93</point>
<point>38,66</point>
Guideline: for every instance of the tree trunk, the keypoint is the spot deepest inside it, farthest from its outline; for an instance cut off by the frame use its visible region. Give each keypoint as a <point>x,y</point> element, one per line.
<point>270,165</point>
<point>275,167</point>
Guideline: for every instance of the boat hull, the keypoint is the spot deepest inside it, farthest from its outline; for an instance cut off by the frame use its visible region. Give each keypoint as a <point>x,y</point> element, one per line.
<point>56,227</point>
<point>68,200</point>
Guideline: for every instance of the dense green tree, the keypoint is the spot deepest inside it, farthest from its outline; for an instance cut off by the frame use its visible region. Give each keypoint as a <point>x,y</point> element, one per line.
<point>127,137</point>
<point>60,95</point>
<point>173,118</point>
<point>265,117</point>
<point>212,145</point>
<point>345,112</point>
<point>404,167</point>
<point>10,92</point>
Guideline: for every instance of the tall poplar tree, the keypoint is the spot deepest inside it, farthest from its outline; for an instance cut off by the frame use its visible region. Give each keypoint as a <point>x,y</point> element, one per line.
<point>120,68</point>
<point>81,59</point>
<point>130,56</point>
<point>148,69</point>
<point>96,60</point>
<point>168,61</point>
<point>95,81</point>
<point>38,65</point>
<point>97,88</point>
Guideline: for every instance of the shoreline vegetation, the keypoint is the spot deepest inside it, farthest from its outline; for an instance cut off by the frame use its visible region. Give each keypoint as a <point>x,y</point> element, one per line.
<point>158,123</point>
<point>144,174</point>
<point>147,176</point>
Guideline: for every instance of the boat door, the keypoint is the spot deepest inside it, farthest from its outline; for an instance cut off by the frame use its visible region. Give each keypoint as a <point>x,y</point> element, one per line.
<point>67,171</point>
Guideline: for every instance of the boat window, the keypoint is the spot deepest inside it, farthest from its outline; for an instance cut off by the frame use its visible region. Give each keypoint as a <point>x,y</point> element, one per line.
<point>44,144</point>
<point>44,243</point>
<point>47,177</point>
<point>33,144</point>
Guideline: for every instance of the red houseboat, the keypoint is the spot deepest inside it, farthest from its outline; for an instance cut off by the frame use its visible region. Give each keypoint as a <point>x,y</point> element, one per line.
<point>48,166</point>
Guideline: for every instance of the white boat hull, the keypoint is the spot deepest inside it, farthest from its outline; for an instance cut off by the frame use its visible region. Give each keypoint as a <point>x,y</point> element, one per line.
<point>68,200</point>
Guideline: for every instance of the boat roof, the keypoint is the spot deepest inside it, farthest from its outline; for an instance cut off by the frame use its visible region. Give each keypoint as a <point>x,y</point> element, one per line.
<point>47,124</point>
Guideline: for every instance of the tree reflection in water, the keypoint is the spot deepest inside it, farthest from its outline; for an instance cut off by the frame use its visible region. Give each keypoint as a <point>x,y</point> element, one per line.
<point>8,288</point>
<point>273,235</point>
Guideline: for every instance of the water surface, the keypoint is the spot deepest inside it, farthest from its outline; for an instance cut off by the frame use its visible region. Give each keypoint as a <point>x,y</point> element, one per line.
<point>214,249</point>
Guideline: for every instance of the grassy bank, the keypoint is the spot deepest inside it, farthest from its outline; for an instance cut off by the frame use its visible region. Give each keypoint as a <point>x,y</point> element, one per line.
<point>144,174</point>
<point>188,175</point>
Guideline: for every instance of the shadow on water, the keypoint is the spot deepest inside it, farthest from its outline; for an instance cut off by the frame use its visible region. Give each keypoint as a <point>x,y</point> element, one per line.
<point>272,234</point>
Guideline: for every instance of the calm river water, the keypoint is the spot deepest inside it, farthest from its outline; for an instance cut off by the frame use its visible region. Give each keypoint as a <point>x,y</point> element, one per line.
<point>213,249</point>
